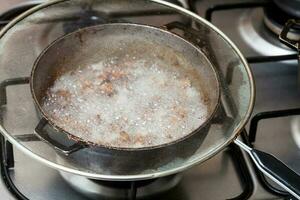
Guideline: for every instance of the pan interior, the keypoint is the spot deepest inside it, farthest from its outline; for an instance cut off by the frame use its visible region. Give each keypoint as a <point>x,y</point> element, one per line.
<point>125,86</point>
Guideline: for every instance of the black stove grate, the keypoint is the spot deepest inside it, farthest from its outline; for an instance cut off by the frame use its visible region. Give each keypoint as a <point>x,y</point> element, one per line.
<point>250,138</point>
<point>223,7</point>
<point>6,164</point>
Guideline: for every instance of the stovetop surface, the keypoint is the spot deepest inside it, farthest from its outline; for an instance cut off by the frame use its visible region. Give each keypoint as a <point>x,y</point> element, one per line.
<point>219,177</point>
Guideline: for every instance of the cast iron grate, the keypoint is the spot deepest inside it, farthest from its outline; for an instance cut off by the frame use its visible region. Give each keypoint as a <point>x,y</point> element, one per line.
<point>250,138</point>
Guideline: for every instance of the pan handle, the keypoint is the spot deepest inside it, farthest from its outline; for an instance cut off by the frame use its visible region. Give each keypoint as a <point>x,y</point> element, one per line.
<point>274,169</point>
<point>44,136</point>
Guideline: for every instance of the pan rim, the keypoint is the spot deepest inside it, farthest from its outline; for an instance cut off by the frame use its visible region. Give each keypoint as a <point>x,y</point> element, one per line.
<point>89,144</point>
<point>150,175</point>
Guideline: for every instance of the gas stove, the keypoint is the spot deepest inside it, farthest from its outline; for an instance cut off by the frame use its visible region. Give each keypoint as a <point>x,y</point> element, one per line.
<point>274,126</point>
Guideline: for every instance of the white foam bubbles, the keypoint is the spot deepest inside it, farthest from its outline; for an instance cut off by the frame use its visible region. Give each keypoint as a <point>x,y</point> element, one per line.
<point>125,104</point>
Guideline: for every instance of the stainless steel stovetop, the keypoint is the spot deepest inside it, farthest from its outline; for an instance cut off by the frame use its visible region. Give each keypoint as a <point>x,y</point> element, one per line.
<point>230,174</point>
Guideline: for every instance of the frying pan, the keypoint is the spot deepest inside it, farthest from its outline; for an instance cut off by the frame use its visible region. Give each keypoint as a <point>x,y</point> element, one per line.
<point>129,43</point>
<point>126,42</point>
<point>79,48</point>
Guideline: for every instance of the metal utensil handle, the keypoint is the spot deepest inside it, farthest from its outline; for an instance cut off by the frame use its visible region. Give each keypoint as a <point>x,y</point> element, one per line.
<point>43,135</point>
<point>274,169</point>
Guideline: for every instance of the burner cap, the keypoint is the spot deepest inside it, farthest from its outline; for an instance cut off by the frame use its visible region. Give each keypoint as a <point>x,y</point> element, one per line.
<point>275,19</point>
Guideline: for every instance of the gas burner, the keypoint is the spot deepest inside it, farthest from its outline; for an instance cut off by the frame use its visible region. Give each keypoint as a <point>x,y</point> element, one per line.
<point>95,189</point>
<point>275,18</point>
<point>256,34</point>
